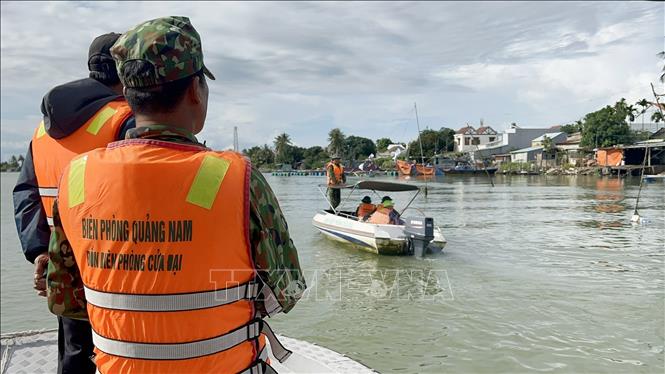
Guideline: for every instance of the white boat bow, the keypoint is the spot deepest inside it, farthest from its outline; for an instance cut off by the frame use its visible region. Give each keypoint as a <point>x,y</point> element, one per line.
<point>37,352</point>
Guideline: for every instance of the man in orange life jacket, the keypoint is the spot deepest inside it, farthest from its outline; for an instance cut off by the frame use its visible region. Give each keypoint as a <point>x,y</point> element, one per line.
<point>336,177</point>
<point>78,116</point>
<point>176,244</point>
<point>365,209</point>
<point>385,213</point>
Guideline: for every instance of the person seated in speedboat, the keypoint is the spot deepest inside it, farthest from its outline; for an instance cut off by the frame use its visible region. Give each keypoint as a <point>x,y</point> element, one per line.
<point>365,209</point>
<point>385,213</point>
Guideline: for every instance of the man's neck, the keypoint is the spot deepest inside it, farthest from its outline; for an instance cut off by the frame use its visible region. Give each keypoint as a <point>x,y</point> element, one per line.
<point>164,120</point>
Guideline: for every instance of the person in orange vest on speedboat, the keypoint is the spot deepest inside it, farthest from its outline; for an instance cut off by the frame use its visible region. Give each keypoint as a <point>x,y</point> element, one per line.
<point>182,250</point>
<point>336,177</point>
<point>77,117</point>
<point>385,213</point>
<point>365,209</point>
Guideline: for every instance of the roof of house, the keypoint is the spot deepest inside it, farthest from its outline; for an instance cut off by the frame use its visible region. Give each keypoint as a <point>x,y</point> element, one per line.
<point>485,130</point>
<point>466,130</point>
<point>525,150</point>
<point>550,135</point>
<point>660,134</point>
<point>573,138</point>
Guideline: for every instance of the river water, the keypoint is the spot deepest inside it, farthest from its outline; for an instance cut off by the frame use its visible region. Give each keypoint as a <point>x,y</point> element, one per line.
<point>540,273</point>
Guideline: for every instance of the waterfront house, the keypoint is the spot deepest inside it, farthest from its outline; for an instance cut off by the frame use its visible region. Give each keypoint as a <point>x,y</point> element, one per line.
<point>501,158</point>
<point>571,147</point>
<point>509,140</point>
<point>630,157</point>
<point>529,154</point>
<point>467,138</point>
<point>556,137</point>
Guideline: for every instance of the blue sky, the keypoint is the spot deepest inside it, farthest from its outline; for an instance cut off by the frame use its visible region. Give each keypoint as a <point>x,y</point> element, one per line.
<point>304,68</point>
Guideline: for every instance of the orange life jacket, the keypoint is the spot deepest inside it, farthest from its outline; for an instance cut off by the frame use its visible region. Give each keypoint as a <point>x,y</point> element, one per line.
<point>339,172</point>
<point>381,215</point>
<point>160,233</point>
<point>365,209</point>
<point>50,156</point>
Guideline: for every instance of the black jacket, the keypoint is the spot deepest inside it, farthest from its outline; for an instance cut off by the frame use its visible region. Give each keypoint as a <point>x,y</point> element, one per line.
<point>65,108</point>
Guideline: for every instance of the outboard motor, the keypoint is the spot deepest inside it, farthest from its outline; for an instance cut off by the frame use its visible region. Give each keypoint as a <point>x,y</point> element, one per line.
<point>419,233</point>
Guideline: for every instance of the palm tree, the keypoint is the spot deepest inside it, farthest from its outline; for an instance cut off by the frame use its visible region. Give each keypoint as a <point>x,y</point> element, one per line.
<point>282,142</point>
<point>336,138</point>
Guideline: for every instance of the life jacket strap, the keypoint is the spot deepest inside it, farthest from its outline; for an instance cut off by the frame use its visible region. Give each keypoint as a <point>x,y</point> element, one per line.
<point>48,192</point>
<point>171,302</point>
<point>261,366</point>
<point>278,350</point>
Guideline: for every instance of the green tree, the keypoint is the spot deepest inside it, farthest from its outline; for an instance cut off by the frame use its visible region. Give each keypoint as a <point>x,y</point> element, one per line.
<point>548,145</point>
<point>572,128</point>
<point>260,156</point>
<point>608,126</point>
<point>315,157</point>
<point>282,148</point>
<point>434,142</point>
<point>358,147</point>
<point>446,140</point>
<point>336,141</point>
<point>382,144</point>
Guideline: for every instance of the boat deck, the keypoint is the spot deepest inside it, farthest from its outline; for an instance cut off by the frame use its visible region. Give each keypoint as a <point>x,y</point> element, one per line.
<point>37,352</point>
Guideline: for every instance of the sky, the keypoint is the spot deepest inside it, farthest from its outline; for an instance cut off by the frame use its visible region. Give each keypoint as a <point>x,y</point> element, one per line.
<point>305,68</point>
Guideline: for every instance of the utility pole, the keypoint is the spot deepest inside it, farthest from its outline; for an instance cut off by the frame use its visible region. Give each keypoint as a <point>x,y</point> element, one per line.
<point>235,139</point>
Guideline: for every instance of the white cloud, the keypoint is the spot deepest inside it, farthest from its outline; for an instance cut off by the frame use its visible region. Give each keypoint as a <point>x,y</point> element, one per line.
<point>306,67</point>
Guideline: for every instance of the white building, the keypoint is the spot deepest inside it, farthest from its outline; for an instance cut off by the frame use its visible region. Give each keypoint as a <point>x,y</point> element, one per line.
<point>556,138</point>
<point>529,154</point>
<point>468,139</point>
<point>511,139</point>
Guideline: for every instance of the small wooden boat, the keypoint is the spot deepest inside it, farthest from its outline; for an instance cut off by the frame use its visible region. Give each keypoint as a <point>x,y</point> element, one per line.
<point>424,170</point>
<point>404,167</point>
<point>417,236</point>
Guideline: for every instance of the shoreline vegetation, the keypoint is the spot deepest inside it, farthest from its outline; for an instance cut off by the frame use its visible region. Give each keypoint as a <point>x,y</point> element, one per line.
<point>606,127</point>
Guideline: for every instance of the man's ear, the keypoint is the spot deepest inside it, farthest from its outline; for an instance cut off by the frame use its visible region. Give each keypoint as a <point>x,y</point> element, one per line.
<point>124,91</point>
<point>194,92</point>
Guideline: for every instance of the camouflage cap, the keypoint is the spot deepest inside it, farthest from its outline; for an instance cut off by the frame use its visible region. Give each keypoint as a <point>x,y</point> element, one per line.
<point>170,44</point>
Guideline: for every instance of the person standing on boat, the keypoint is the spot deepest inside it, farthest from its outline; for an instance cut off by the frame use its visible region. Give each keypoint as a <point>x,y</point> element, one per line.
<point>78,116</point>
<point>182,250</point>
<point>336,177</point>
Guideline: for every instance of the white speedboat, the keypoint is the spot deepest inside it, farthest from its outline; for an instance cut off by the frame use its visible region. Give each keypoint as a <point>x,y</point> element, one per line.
<point>417,235</point>
<point>37,352</point>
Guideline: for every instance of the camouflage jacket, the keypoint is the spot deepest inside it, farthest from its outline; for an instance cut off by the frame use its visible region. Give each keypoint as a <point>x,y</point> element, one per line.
<point>276,257</point>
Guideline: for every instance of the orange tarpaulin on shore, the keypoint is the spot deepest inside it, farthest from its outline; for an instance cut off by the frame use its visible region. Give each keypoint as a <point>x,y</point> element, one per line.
<point>609,157</point>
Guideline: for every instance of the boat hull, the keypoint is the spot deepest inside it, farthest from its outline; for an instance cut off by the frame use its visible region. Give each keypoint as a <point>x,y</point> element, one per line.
<point>378,239</point>
<point>404,167</point>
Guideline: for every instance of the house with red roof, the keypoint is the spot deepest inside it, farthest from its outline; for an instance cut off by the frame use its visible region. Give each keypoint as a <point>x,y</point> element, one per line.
<point>467,138</point>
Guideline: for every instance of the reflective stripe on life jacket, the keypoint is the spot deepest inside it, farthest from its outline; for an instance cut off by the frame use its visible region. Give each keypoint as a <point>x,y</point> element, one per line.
<point>50,156</point>
<point>339,172</point>
<point>167,267</point>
